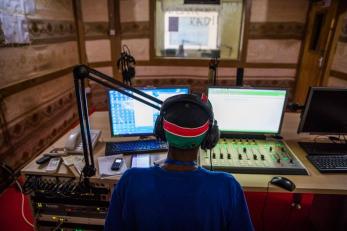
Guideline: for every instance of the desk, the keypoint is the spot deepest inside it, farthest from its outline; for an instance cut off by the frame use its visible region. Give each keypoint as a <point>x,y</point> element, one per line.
<point>314,183</point>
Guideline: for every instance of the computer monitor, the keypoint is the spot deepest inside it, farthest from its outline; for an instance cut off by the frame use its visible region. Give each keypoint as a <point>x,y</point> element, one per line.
<point>248,110</point>
<point>129,117</point>
<point>325,111</point>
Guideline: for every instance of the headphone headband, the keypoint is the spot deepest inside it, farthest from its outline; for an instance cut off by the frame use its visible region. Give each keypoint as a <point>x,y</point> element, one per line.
<point>189,98</point>
<point>209,127</point>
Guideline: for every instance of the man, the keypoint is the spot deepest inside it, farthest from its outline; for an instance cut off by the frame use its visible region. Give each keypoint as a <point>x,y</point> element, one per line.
<point>179,195</point>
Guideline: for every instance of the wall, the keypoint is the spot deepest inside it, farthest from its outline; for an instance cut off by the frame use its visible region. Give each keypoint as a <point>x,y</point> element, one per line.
<point>272,44</point>
<point>338,68</point>
<point>276,33</point>
<point>36,84</point>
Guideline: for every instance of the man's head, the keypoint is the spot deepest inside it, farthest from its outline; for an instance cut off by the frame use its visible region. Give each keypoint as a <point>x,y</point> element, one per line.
<point>186,122</point>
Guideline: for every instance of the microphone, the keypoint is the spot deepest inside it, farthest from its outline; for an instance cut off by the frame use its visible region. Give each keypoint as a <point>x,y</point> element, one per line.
<point>126,64</point>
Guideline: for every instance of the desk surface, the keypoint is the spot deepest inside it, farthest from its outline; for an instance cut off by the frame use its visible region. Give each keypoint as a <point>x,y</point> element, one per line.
<point>314,183</point>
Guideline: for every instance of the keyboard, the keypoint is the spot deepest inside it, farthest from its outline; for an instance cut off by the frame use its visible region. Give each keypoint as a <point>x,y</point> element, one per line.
<point>138,146</point>
<point>326,157</point>
<point>329,163</point>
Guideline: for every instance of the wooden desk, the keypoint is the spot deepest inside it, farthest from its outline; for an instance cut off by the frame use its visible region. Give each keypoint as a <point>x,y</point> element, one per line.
<point>314,183</point>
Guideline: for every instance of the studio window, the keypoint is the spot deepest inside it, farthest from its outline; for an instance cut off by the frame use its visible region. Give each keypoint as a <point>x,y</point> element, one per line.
<point>193,31</point>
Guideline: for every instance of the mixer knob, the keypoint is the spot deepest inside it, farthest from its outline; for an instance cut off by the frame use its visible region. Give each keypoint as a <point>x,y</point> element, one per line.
<point>221,156</point>
<point>282,149</point>
<point>291,160</point>
<point>213,155</point>
<point>244,149</point>
<point>255,157</point>
<point>240,157</point>
<point>270,148</point>
<point>229,156</point>
<point>262,157</point>
<point>278,160</point>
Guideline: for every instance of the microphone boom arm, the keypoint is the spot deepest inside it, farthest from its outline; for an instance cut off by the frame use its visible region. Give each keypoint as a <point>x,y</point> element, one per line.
<point>82,72</point>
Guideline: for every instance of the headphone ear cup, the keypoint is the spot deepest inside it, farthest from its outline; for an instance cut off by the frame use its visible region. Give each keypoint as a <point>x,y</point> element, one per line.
<point>158,128</point>
<point>212,137</point>
<point>215,135</point>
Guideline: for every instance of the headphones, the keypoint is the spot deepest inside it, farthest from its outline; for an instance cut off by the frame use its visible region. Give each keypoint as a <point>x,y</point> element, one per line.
<point>212,136</point>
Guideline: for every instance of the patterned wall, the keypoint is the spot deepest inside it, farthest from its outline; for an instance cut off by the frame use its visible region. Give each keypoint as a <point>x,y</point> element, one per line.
<point>196,79</point>
<point>338,69</point>
<point>21,63</point>
<point>40,104</point>
<point>274,37</point>
<point>271,29</point>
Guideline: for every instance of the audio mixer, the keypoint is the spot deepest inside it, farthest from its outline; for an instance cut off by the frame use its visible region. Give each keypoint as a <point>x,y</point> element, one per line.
<point>252,156</point>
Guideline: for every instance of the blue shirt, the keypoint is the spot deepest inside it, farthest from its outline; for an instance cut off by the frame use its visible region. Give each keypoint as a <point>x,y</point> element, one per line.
<point>156,199</point>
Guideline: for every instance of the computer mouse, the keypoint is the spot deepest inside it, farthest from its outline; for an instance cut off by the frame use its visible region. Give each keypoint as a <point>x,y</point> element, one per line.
<point>283,182</point>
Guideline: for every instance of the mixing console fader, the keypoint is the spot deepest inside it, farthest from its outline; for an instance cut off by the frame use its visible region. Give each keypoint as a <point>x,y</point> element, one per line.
<point>252,156</point>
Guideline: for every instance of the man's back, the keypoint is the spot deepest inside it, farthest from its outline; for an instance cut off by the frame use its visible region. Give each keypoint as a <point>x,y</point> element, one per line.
<point>157,199</point>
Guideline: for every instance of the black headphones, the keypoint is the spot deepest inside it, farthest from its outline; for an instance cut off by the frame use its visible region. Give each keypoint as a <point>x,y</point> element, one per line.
<point>213,133</point>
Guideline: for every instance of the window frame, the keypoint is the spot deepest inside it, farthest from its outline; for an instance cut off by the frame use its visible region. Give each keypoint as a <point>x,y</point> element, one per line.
<point>179,61</point>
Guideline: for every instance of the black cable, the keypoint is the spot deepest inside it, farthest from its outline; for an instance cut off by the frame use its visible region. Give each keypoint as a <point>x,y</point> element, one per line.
<point>211,166</point>
<point>287,218</point>
<point>61,222</point>
<point>309,212</point>
<point>264,206</point>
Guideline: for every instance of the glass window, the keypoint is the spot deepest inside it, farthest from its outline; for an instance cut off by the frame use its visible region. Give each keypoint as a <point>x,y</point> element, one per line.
<point>198,30</point>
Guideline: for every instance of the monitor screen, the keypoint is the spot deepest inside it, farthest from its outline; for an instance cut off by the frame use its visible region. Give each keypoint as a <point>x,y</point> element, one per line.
<point>325,111</point>
<point>129,117</point>
<point>248,111</point>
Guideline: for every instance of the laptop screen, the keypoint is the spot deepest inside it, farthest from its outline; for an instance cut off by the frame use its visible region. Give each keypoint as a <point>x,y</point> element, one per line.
<point>248,110</point>
<point>129,117</point>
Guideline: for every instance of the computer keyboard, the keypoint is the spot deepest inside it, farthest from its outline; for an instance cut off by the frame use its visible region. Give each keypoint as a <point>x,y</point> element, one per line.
<point>326,157</point>
<point>329,163</point>
<point>138,146</point>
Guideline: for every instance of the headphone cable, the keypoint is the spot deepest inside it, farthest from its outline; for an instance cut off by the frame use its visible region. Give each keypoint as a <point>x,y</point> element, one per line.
<point>211,166</point>
<point>264,206</point>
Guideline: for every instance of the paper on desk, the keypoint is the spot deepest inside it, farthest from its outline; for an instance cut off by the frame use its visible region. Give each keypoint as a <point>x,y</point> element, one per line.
<point>105,163</point>
<point>79,163</point>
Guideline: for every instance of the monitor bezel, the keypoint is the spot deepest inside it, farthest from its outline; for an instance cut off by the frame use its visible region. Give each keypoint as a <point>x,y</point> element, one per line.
<point>140,88</point>
<point>306,109</point>
<point>231,133</point>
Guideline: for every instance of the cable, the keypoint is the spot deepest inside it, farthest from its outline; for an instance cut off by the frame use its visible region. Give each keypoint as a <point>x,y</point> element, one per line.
<point>61,221</point>
<point>264,205</point>
<point>211,167</point>
<point>12,173</point>
<point>315,139</point>
<point>22,205</point>
<point>288,218</point>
